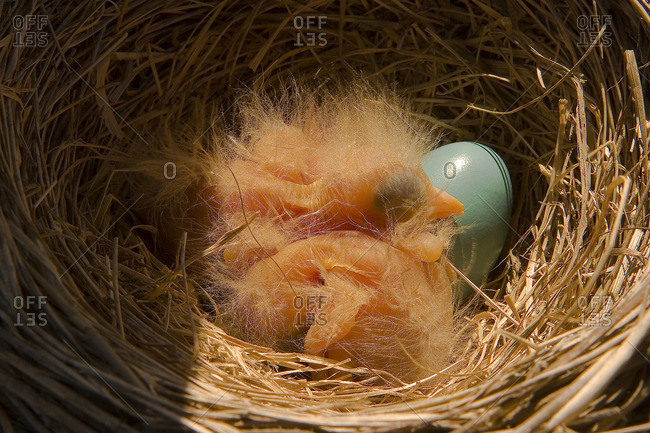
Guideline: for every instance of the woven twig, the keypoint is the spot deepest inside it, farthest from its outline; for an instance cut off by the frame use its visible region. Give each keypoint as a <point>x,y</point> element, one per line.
<point>99,334</point>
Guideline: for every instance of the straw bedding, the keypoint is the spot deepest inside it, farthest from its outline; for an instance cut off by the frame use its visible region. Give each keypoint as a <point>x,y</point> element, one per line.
<point>100,334</point>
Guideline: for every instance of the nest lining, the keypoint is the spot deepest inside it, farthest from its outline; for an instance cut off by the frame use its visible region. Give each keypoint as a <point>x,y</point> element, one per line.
<point>128,345</point>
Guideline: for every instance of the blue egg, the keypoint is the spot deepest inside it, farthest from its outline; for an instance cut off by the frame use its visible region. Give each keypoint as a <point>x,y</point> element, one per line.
<point>478,177</point>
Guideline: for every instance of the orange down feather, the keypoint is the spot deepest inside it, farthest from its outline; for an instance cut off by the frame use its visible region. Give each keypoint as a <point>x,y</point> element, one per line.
<point>342,249</point>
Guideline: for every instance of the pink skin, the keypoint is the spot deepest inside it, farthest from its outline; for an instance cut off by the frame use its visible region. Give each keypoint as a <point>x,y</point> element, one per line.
<point>277,186</point>
<point>266,189</point>
<point>348,276</point>
<point>289,172</point>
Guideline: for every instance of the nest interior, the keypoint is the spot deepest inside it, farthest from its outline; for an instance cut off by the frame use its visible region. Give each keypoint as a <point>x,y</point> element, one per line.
<point>99,334</point>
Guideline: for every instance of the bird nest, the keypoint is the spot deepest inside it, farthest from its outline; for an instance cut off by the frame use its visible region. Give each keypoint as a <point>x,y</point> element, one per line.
<point>99,334</point>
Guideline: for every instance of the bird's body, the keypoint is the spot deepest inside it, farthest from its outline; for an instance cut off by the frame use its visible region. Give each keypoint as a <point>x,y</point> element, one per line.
<point>339,243</point>
<point>349,296</point>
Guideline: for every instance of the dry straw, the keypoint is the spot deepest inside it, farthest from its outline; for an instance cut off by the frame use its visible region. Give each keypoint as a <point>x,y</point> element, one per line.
<point>118,340</point>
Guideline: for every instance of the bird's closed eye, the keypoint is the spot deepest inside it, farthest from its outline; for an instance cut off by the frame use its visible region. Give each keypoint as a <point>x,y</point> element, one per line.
<point>400,195</point>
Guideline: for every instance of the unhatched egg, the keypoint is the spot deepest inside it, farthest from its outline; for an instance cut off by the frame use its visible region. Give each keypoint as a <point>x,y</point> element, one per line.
<point>478,177</point>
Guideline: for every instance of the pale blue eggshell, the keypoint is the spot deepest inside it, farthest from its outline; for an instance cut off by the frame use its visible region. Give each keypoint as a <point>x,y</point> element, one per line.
<point>478,177</point>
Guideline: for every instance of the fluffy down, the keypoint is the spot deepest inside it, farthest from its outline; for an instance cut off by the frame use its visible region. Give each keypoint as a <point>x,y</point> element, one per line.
<point>339,250</point>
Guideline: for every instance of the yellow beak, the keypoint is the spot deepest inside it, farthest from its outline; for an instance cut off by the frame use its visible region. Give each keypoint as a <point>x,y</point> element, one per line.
<point>442,204</point>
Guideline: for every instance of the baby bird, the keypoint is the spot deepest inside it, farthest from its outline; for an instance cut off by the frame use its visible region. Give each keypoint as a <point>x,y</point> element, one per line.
<point>349,295</point>
<point>335,236</point>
